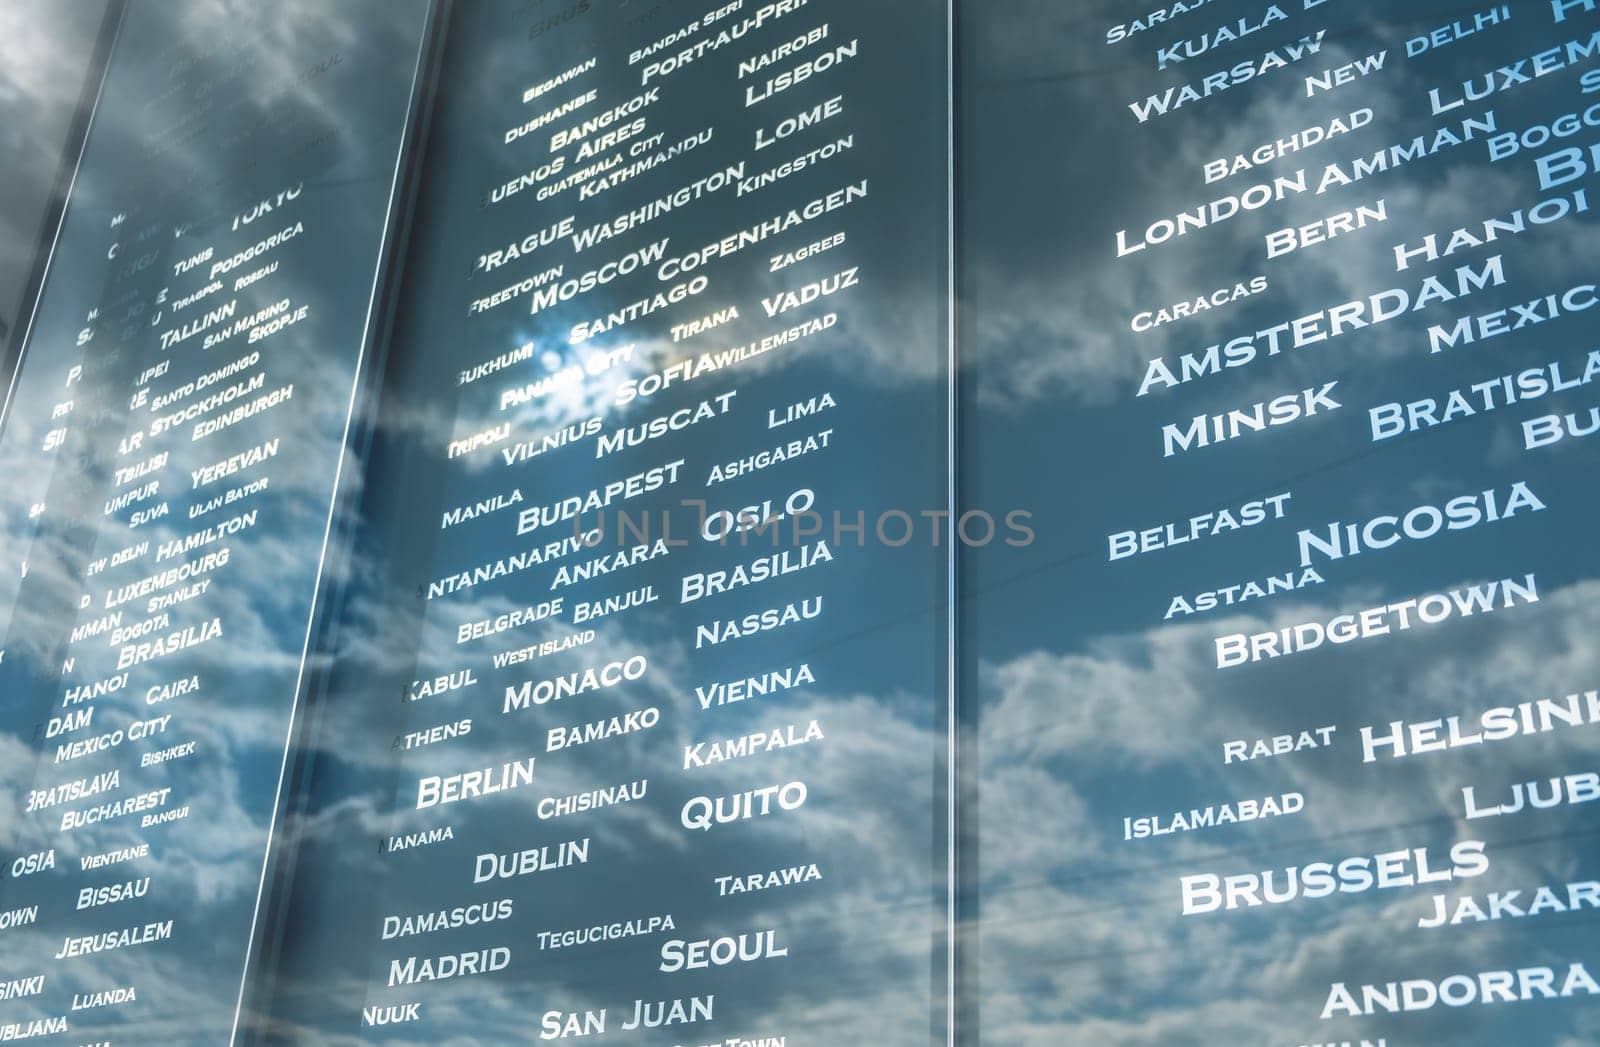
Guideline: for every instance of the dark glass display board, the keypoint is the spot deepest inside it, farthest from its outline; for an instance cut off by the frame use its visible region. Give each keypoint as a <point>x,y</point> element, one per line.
<point>170,451</point>
<point>1279,315</point>
<point>628,731</point>
<point>496,546</point>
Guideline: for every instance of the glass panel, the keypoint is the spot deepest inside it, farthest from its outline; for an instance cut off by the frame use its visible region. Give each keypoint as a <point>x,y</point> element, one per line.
<point>680,262</point>
<point>1278,317</point>
<point>170,452</point>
